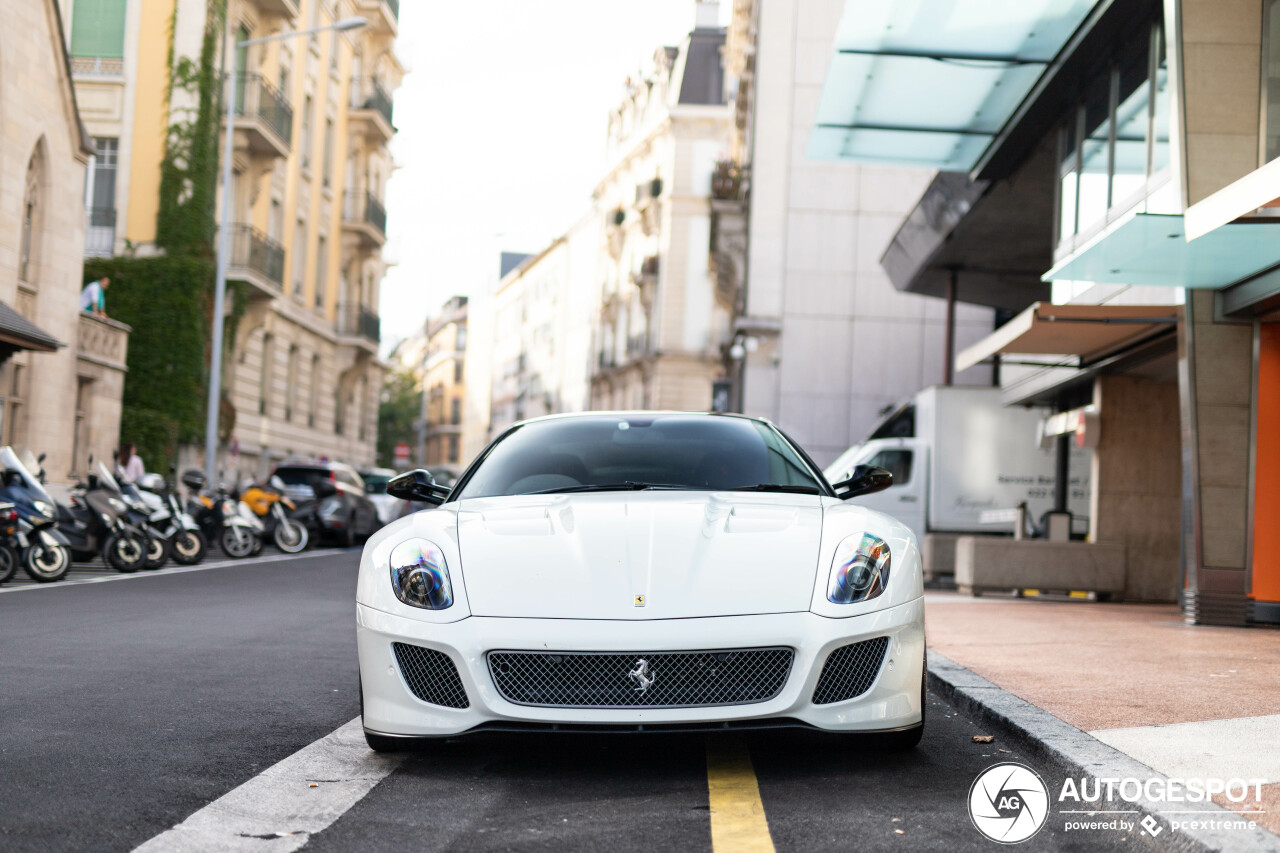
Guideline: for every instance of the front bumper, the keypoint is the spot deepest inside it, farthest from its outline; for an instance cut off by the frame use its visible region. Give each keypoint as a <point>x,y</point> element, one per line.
<point>892,702</point>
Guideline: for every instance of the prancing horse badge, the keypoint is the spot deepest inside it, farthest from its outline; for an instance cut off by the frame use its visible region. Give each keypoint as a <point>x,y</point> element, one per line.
<point>639,601</point>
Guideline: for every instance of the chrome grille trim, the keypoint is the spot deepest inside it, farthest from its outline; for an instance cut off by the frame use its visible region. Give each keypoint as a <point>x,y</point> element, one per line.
<point>681,679</point>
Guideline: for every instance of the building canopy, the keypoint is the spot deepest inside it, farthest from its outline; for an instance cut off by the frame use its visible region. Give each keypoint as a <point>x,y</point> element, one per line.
<point>933,82</point>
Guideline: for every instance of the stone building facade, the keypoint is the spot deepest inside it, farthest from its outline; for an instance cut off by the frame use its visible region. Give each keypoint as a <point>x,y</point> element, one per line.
<point>61,372</point>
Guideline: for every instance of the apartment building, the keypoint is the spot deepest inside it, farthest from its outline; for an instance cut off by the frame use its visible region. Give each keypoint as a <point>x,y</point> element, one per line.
<point>311,162</point>
<point>61,371</point>
<point>662,322</point>
<point>822,340</point>
<point>444,375</point>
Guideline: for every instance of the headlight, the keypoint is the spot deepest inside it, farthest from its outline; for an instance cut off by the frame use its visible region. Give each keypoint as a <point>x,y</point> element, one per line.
<point>42,508</point>
<point>859,571</point>
<point>419,576</point>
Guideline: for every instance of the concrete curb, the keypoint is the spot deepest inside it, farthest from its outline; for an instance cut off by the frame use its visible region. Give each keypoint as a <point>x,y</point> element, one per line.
<point>1072,752</point>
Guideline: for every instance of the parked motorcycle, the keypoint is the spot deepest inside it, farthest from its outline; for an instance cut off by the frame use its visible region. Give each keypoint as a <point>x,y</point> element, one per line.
<point>187,542</point>
<point>42,552</point>
<point>8,542</point>
<point>94,524</point>
<point>220,519</point>
<point>270,503</point>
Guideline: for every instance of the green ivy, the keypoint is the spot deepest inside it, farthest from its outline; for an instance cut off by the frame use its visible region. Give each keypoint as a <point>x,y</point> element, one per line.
<point>397,415</point>
<point>163,298</point>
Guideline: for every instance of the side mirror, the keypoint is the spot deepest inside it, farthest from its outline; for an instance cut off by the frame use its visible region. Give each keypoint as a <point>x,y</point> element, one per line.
<point>417,485</point>
<point>324,488</point>
<point>864,480</point>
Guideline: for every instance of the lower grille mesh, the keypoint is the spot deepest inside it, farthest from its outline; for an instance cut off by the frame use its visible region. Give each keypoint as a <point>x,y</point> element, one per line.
<point>850,671</point>
<point>615,680</point>
<point>431,675</point>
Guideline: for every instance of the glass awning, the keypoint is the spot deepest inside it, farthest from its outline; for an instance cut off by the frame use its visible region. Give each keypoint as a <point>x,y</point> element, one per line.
<point>932,82</point>
<point>1153,249</point>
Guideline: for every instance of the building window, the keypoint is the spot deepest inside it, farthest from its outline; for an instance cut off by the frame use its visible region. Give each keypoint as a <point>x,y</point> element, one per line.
<point>1115,141</point>
<point>327,166</point>
<point>455,411</point>
<point>457,373</point>
<point>313,410</point>
<point>264,374</point>
<point>31,223</point>
<point>322,271</point>
<point>307,108</point>
<point>299,258</point>
<point>100,236</point>
<point>453,448</point>
<point>291,390</point>
<point>97,28</point>
<point>360,407</point>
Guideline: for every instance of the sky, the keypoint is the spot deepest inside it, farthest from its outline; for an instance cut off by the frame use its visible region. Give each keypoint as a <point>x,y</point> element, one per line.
<point>501,139</point>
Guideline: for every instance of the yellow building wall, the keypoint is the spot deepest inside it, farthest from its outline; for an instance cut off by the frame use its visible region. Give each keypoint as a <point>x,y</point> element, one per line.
<point>150,120</point>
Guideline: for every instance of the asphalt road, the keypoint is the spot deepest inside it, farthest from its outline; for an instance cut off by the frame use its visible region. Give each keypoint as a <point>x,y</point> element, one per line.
<point>128,706</point>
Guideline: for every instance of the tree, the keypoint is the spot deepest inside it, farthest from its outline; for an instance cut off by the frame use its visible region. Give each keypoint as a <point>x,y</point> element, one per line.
<point>398,413</point>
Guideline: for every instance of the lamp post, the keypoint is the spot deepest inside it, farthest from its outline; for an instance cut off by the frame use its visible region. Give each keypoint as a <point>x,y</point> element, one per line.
<point>224,237</point>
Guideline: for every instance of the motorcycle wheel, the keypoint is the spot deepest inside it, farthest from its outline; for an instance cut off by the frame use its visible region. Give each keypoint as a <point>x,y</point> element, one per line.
<point>189,547</point>
<point>291,537</point>
<point>8,563</point>
<point>125,552</point>
<point>238,542</point>
<point>46,563</point>
<point>157,552</point>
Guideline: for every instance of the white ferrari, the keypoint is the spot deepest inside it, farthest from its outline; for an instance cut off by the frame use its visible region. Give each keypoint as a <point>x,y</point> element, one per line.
<point>641,571</point>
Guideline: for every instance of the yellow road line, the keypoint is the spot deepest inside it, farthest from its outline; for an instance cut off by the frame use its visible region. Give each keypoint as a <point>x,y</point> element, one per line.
<point>738,824</point>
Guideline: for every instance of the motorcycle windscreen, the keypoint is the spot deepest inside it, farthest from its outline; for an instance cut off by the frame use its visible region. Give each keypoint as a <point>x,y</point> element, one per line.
<point>9,461</point>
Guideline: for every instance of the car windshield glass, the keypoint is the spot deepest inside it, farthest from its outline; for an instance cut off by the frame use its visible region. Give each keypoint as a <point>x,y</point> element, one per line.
<point>301,476</point>
<point>376,483</point>
<point>638,451</point>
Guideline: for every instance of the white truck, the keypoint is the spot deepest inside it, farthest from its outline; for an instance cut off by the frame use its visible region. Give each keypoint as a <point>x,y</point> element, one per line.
<point>956,452</point>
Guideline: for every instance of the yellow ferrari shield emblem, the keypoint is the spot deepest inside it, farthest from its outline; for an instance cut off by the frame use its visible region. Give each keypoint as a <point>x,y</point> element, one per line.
<point>639,601</point>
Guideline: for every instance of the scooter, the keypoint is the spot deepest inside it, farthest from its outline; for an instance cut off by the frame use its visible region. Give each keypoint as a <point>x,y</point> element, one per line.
<point>220,519</point>
<point>269,502</point>
<point>8,542</point>
<point>43,553</point>
<point>187,543</point>
<point>95,524</point>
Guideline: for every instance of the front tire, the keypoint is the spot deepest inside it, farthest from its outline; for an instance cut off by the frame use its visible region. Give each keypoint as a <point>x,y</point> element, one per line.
<point>125,552</point>
<point>157,552</point>
<point>238,542</point>
<point>908,739</point>
<point>291,536</point>
<point>8,563</point>
<point>189,547</point>
<point>46,563</point>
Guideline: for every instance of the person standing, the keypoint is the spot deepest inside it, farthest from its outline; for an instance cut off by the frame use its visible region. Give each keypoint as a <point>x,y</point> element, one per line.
<point>129,467</point>
<point>93,299</point>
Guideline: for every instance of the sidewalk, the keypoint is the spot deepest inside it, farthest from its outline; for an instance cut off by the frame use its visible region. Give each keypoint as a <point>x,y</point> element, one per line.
<point>1187,701</point>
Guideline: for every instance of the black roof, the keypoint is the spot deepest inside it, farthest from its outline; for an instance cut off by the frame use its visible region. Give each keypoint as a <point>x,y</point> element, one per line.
<point>703,81</point>
<point>17,332</point>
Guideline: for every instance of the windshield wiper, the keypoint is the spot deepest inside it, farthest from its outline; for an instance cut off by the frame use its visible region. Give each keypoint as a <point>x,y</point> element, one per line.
<point>779,487</point>
<point>624,486</point>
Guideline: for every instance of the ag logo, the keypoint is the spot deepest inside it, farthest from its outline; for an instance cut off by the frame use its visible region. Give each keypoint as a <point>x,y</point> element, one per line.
<point>1008,803</point>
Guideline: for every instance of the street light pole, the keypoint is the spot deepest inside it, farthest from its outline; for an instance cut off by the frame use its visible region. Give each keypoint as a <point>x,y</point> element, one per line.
<point>224,237</point>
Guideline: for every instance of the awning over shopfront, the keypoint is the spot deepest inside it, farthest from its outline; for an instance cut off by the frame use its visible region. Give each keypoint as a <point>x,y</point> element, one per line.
<point>1153,249</point>
<point>1085,332</point>
<point>933,82</point>
<point>19,333</point>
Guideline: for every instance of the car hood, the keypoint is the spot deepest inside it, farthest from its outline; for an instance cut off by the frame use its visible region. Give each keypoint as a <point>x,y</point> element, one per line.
<point>591,556</point>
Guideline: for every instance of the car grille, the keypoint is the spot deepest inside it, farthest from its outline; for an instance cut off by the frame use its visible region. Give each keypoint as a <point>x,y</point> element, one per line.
<point>850,671</point>
<point>431,675</point>
<point>614,680</point>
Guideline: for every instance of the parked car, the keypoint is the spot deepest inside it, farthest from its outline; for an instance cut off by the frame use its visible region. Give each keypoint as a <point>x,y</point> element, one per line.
<point>639,570</point>
<point>375,486</point>
<point>332,500</point>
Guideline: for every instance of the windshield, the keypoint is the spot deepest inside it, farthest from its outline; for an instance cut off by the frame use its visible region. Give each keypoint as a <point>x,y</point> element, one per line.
<point>634,451</point>
<point>300,475</point>
<point>105,480</point>
<point>10,462</point>
<point>375,484</point>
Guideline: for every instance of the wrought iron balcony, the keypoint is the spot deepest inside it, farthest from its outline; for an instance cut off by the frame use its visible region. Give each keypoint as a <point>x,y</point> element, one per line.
<point>264,113</point>
<point>355,320</point>
<point>365,216</point>
<point>372,109</point>
<point>256,259</point>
